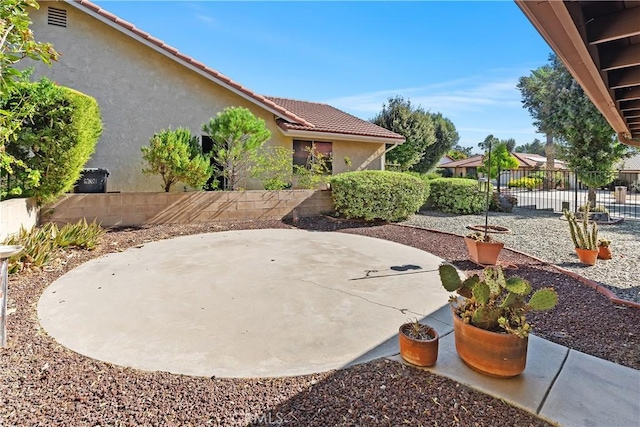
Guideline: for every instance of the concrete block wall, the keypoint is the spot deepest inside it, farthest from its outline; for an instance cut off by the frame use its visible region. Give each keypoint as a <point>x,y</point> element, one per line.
<point>15,213</point>
<point>135,209</point>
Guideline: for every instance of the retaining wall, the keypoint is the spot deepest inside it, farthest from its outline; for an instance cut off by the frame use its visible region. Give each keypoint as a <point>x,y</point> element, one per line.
<point>15,213</point>
<point>135,209</point>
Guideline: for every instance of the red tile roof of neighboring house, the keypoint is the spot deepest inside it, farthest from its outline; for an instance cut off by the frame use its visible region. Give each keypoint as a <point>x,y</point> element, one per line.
<point>328,119</point>
<point>525,160</point>
<point>298,115</point>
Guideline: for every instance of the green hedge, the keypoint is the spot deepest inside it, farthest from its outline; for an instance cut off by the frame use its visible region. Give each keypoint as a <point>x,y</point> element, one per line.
<point>57,139</point>
<point>457,195</point>
<point>426,178</point>
<point>371,195</point>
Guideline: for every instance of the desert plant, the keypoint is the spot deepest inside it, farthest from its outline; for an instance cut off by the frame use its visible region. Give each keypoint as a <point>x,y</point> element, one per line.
<point>604,243</point>
<point>371,195</point>
<point>175,156</point>
<point>42,244</point>
<point>38,247</point>
<point>495,304</point>
<point>80,235</point>
<point>582,237</point>
<point>417,330</point>
<point>587,208</point>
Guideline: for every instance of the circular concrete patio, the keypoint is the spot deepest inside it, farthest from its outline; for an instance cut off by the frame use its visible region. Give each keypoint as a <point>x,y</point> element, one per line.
<point>256,303</point>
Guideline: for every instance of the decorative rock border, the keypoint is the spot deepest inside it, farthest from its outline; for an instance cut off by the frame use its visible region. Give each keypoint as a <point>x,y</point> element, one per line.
<point>611,296</point>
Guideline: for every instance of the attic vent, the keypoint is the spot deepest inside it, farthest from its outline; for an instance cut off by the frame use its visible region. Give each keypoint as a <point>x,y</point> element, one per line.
<point>57,17</point>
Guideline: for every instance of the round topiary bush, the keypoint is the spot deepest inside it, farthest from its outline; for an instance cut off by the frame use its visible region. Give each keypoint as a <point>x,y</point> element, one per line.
<point>457,195</point>
<point>371,195</point>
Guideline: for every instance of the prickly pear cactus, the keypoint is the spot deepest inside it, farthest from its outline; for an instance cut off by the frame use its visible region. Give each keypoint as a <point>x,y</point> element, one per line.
<point>543,299</point>
<point>496,304</point>
<point>449,277</point>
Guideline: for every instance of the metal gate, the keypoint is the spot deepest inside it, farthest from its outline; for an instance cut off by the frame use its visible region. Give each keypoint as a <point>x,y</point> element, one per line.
<point>559,190</point>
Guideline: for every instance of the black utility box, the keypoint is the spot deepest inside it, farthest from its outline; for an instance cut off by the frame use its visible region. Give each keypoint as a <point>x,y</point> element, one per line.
<point>92,180</point>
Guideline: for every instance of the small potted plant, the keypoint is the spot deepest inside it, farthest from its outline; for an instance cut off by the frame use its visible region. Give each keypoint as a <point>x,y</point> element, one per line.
<point>604,250</point>
<point>585,238</point>
<point>482,248</point>
<point>418,343</point>
<point>489,319</point>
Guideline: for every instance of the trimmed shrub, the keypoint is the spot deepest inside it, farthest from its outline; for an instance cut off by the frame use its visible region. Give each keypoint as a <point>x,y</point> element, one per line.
<point>175,155</point>
<point>57,139</point>
<point>426,178</point>
<point>457,195</point>
<point>371,195</point>
<point>530,183</point>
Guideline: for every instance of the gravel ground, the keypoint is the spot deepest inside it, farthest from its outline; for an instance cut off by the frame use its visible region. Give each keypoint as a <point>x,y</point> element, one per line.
<point>45,384</point>
<point>546,235</point>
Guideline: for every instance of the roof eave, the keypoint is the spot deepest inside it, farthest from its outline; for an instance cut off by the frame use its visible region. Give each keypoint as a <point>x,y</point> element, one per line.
<point>554,22</point>
<point>299,133</point>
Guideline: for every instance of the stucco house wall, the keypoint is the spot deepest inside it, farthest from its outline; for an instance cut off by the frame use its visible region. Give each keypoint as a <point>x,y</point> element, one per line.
<point>141,91</point>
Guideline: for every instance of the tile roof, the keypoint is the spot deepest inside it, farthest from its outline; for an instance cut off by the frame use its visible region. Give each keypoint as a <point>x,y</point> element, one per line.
<point>630,164</point>
<point>326,118</point>
<point>298,115</point>
<point>214,75</point>
<point>525,160</point>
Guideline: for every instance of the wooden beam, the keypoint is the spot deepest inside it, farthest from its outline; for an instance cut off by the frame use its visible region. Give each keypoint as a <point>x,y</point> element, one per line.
<point>627,94</point>
<point>612,58</point>
<point>626,77</point>
<point>615,26</point>
<point>630,105</point>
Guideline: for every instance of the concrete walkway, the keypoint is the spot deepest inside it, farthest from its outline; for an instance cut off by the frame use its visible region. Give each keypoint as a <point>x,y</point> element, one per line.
<point>561,385</point>
<point>266,303</point>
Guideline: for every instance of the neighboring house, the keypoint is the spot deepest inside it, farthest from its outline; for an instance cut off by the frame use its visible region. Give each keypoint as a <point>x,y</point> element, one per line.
<point>144,85</point>
<point>444,160</point>
<point>629,173</point>
<point>527,162</point>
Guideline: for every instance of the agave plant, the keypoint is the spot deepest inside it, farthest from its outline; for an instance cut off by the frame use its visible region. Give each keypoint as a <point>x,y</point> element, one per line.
<point>495,304</point>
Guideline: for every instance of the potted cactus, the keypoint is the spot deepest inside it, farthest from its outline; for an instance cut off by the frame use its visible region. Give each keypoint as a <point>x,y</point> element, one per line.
<point>418,343</point>
<point>585,238</point>
<point>604,249</point>
<point>489,319</point>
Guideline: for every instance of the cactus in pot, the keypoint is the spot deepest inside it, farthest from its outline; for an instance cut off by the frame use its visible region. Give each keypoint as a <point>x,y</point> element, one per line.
<point>582,237</point>
<point>495,304</point>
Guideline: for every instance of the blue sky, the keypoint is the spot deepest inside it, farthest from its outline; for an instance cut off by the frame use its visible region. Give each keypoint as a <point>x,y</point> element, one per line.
<point>462,59</point>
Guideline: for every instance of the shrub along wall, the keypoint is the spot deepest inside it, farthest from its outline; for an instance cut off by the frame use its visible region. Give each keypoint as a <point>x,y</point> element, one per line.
<point>135,209</point>
<point>390,196</point>
<point>457,195</point>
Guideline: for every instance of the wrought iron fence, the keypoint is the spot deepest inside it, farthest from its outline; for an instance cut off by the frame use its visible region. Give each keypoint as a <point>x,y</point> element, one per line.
<point>559,190</point>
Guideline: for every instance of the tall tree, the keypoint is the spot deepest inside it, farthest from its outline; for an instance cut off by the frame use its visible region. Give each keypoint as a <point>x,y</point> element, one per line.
<point>459,152</point>
<point>539,93</point>
<point>237,136</point>
<point>592,150</point>
<point>510,143</point>
<point>534,147</point>
<point>413,123</point>
<point>446,137</point>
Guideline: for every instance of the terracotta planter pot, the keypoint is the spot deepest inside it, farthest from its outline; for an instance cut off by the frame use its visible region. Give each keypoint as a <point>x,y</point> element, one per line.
<point>485,253</point>
<point>419,352</point>
<point>490,353</point>
<point>604,252</point>
<point>587,256</point>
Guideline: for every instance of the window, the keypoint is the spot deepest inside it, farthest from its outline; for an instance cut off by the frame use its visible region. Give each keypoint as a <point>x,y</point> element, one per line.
<point>306,153</point>
<point>57,17</point>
